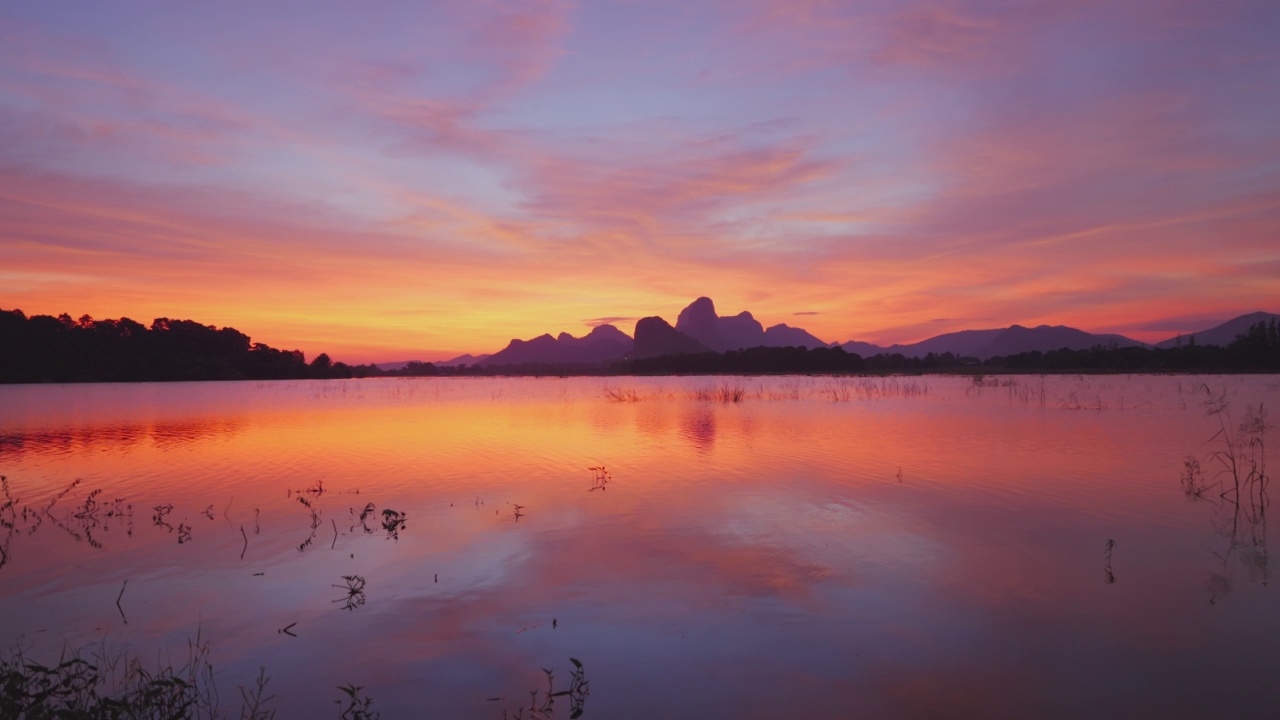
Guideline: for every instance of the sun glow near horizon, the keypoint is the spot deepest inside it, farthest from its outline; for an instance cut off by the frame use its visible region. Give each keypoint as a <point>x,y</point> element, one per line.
<point>424,181</point>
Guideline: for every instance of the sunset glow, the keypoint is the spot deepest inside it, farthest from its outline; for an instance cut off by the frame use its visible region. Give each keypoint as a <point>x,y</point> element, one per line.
<point>419,180</point>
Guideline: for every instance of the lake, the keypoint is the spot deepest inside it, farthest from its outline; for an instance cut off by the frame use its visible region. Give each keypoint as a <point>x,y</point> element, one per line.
<point>705,547</point>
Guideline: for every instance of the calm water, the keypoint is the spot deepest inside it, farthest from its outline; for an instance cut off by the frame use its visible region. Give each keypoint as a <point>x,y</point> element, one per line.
<point>909,547</point>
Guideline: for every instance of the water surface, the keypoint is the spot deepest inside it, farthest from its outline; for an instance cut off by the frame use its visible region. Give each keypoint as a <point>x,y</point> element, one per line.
<point>823,547</point>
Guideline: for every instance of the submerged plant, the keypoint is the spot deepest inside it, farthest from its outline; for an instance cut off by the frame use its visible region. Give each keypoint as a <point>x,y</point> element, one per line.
<point>601,478</point>
<point>542,704</point>
<point>112,684</point>
<point>354,588</point>
<point>358,704</point>
<point>1238,462</point>
<point>1110,577</point>
<point>393,522</point>
<point>617,394</point>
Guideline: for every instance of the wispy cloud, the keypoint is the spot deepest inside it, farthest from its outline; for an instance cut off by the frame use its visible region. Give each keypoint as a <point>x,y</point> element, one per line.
<point>444,177</point>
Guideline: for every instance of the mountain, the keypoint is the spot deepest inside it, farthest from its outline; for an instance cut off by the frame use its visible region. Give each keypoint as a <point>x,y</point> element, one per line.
<point>966,343</point>
<point>1017,339</point>
<point>1221,334</point>
<point>467,359</point>
<point>985,344</point>
<point>605,343</point>
<point>735,332</point>
<point>863,349</point>
<point>700,322</point>
<point>786,336</point>
<point>655,336</point>
<point>700,329</point>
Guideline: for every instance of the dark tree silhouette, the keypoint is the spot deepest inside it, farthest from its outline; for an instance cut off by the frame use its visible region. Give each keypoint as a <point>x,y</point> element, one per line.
<point>42,348</point>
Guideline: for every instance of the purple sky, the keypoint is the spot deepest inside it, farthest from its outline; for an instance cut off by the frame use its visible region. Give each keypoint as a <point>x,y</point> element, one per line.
<point>400,180</point>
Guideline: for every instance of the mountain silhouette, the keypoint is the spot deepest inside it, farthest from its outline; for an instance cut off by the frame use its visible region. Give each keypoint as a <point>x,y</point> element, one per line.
<point>655,337</point>
<point>784,335</point>
<point>605,343</point>
<point>1220,334</point>
<point>984,344</point>
<point>467,359</point>
<point>1017,339</point>
<point>735,332</point>
<point>700,329</point>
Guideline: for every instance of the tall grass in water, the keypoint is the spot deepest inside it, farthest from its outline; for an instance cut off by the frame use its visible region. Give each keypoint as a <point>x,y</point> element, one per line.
<point>1015,388</point>
<point>1240,457</point>
<point>874,389</point>
<point>617,394</point>
<point>722,393</point>
<point>785,391</point>
<point>1239,480</point>
<point>102,683</point>
<point>113,684</point>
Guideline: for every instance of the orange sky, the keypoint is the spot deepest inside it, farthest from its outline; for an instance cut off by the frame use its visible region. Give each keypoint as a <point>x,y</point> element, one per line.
<point>419,182</point>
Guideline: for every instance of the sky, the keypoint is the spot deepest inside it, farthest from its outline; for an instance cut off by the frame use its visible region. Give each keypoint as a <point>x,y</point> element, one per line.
<point>414,180</point>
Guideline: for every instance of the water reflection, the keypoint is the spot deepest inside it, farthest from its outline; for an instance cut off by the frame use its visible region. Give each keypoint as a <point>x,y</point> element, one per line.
<point>752,557</point>
<point>698,426</point>
<point>114,438</point>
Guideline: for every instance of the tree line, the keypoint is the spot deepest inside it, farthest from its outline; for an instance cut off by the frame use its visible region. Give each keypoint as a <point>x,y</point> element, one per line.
<point>43,348</point>
<point>1256,350</point>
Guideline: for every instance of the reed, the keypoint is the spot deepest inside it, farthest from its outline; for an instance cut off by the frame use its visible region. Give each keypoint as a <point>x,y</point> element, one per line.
<point>542,705</point>
<point>100,682</point>
<point>724,392</point>
<point>617,394</point>
<point>1239,485</point>
<point>113,684</point>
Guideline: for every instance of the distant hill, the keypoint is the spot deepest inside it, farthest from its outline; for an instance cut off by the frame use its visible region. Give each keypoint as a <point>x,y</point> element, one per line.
<point>1017,339</point>
<point>467,359</point>
<point>605,343</point>
<point>786,336</point>
<point>984,344</point>
<point>1223,334</point>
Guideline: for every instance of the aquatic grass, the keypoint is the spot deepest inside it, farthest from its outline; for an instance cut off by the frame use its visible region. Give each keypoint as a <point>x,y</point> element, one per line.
<point>1015,388</point>
<point>1074,401</point>
<point>393,522</point>
<point>358,704</point>
<point>786,391</point>
<point>617,394</point>
<point>1241,481</point>
<point>110,683</point>
<point>724,393</point>
<point>1241,449</point>
<point>600,479</point>
<point>866,388</point>
<point>353,586</point>
<point>542,706</point>
<point>101,682</point>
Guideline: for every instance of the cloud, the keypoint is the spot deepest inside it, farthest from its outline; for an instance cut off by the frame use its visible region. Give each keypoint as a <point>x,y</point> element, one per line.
<point>611,320</point>
<point>469,173</point>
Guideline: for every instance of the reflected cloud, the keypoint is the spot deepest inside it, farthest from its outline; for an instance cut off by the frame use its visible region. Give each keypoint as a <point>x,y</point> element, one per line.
<point>698,426</point>
<point>119,438</point>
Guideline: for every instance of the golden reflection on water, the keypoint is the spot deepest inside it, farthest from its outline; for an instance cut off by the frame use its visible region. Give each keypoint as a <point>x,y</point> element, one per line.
<point>885,547</point>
